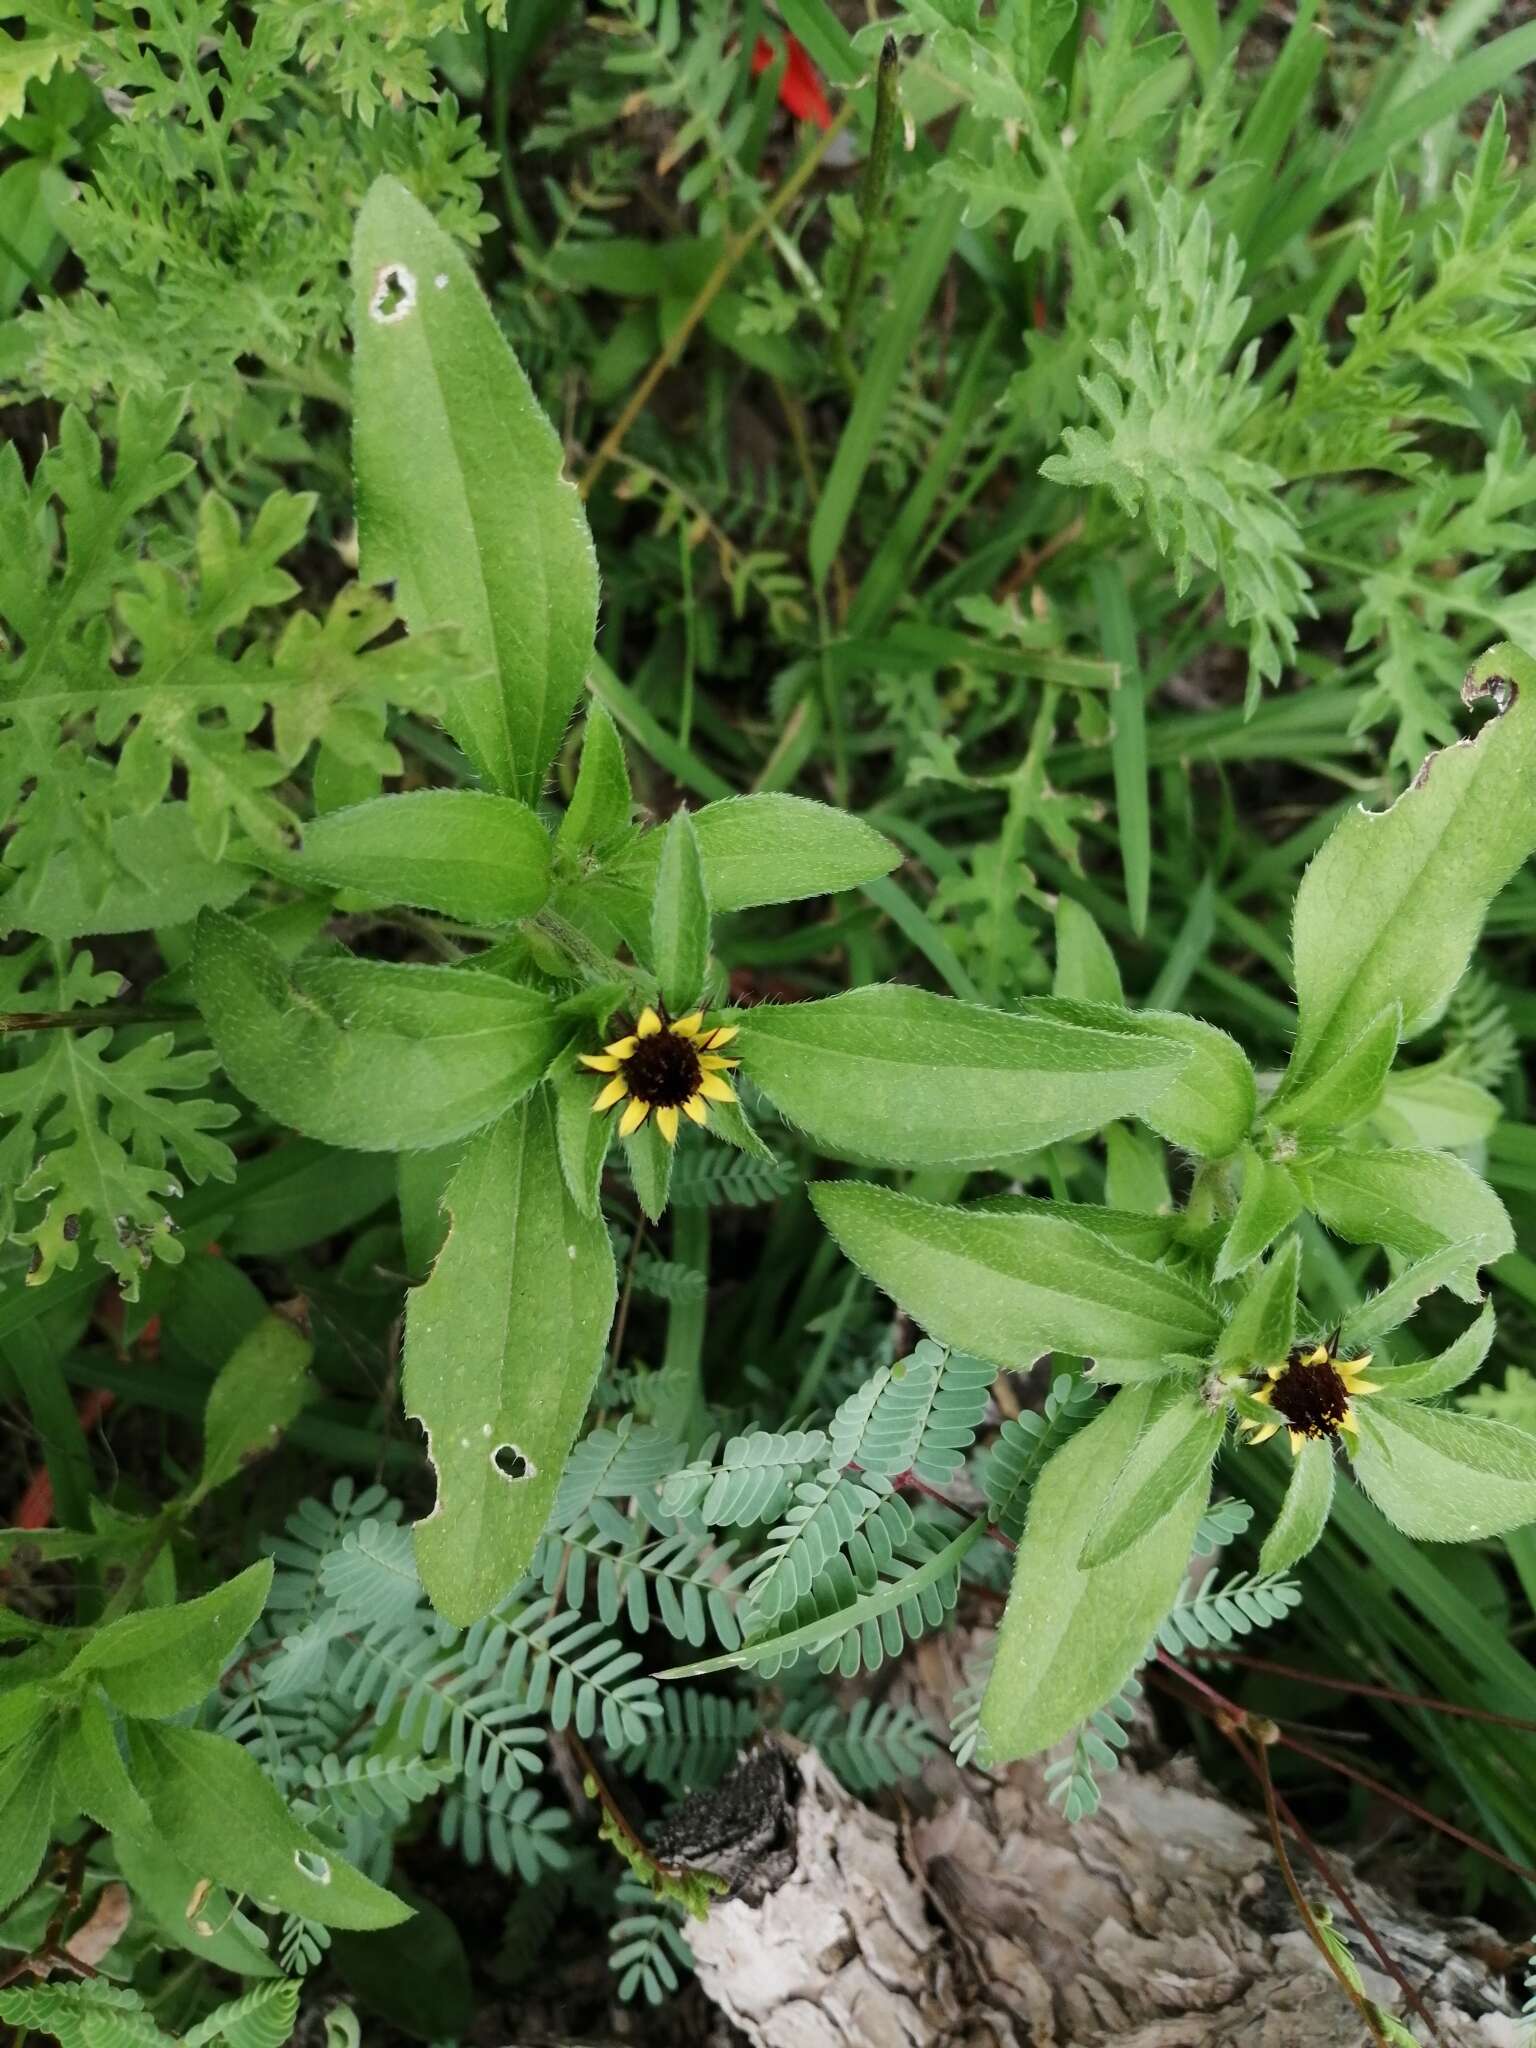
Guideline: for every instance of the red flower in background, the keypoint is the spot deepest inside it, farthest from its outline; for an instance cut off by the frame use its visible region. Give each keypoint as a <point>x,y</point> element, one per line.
<point>800,88</point>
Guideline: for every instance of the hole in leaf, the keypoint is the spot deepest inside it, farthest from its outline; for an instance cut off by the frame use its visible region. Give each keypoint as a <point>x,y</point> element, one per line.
<point>394,294</point>
<point>316,1868</point>
<point>511,1464</point>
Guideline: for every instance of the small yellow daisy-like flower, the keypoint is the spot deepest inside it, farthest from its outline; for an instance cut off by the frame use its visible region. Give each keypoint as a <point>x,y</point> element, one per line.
<point>1312,1395</point>
<point>670,1066</point>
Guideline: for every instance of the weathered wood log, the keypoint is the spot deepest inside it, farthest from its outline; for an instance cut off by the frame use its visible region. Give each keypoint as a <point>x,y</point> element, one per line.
<point>1159,1922</point>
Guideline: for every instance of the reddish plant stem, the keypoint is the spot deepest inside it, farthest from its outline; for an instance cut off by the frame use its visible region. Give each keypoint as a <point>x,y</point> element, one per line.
<point>1372,1692</point>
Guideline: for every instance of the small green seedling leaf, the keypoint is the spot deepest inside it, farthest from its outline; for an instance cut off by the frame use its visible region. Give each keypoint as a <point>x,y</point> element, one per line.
<point>1427,1378</point>
<point>479,858</point>
<point>1086,968</point>
<point>1388,1309</point>
<point>601,803</point>
<point>770,849</point>
<point>1263,1325</point>
<point>261,1387</point>
<point>1347,1091</point>
<point>1270,1202</point>
<point>164,1659</point>
<point>1304,1511</point>
<point>680,917</point>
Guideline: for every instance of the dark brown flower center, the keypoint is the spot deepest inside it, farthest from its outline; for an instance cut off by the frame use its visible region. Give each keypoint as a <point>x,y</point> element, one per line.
<point>663,1070</point>
<point>1311,1399</point>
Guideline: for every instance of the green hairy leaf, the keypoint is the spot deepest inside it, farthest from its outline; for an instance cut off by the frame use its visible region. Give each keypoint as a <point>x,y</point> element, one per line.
<point>209,1797</point>
<point>1072,1635</point>
<point>461,500</point>
<point>482,859</point>
<point>906,1078</point>
<point>1443,1477</point>
<point>680,917</point>
<point>160,1661</point>
<point>1009,1287</point>
<point>769,849</point>
<point>366,1053</point>
<point>1389,911</point>
<point>502,1346</point>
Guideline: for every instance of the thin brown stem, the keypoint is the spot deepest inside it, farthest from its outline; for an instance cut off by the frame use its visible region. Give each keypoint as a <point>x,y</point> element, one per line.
<point>735,249</point>
<point>1400,1799</point>
<point>1258,1763</point>
<point>1372,1692</point>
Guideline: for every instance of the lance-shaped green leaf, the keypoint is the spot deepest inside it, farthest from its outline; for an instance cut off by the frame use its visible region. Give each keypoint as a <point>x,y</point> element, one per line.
<point>163,1659</point>
<point>1263,1325</point>
<point>1210,1103</point>
<point>26,1811</point>
<point>1086,968</point>
<point>769,849</point>
<point>261,1387</point>
<point>1388,1309</point>
<point>92,1764</point>
<point>601,802</point>
<point>1173,1452</point>
<point>1390,909</point>
<point>1149,1237</point>
<point>1270,1202</point>
<point>1347,1090</point>
<point>366,1053</point>
<point>503,1344</point>
<point>680,917</point>
<point>1072,1636</point>
<point>1444,1477</point>
<point>1009,1287</point>
<point>907,1078</point>
<point>1304,1511</point>
<point>1427,1378</point>
<point>480,858</point>
<point>228,1820</point>
<point>461,501</point>
<point>1414,1203</point>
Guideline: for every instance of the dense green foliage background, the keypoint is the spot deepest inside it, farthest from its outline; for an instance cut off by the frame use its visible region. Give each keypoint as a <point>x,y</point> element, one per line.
<point>1088,445</point>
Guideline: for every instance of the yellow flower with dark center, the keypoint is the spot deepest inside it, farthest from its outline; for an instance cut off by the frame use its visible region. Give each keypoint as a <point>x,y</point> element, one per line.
<point>1312,1395</point>
<point>672,1067</point>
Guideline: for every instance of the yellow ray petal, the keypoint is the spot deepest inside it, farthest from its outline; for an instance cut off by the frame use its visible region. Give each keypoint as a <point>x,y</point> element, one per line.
<point>697,1108</point>
<point>1318,1355</point>
<point>614,1092</point>
<point>1347,1421</point>
<point>688,1027</point>
<point>1364,1386</point>
<point>715,1089</point>
<point>1262,1436</point>
<point>712,1063</point>
<point>1276,1372</point>
<point>621,1048</point>
<point>633,1117</point>
<point>599,1062</point>
<point>666,1123</point>
<point>1265,1394</point>
<point>1296,1443</point>
<point>721,1035</point>
<point>648,1023</point>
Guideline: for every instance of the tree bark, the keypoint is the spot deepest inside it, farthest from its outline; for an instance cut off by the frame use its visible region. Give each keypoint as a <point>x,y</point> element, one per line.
<point>1160,1922</point>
